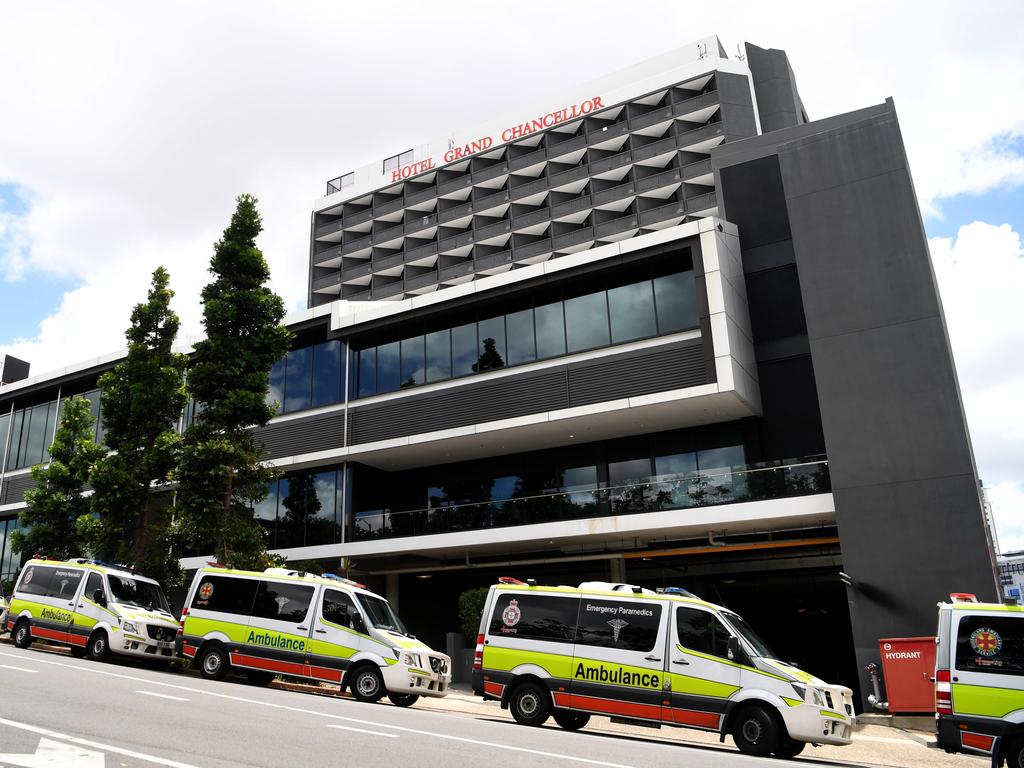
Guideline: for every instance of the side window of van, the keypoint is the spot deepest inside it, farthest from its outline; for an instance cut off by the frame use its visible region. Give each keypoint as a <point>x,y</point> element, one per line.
<point>338,608</point>
<point>94,582</point>
<point>35,580</point>
<point>225,594</point>
<point>535,617</point>
<point>700,631</point>
<point>64,583</point>
<point>992,644</point>
<point>630,626</point>
<point>282,602</point>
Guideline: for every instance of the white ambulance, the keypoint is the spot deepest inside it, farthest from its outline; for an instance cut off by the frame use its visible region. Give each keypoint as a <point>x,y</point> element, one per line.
<point>652,659</point>
<point>286,622</point>
<point>94,608</point>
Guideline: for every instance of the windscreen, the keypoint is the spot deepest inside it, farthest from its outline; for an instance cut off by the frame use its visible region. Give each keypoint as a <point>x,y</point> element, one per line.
<point>760,646</point>
<point>141,594</point>
<point>380,613</point>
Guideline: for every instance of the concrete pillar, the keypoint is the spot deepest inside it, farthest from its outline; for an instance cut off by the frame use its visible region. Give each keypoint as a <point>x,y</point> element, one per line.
<point>391,590</point>
<point>618,569</point>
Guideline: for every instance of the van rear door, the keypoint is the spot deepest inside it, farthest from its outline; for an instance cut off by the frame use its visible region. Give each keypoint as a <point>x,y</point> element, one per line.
<point>618,666</point>
<point>988,662</point>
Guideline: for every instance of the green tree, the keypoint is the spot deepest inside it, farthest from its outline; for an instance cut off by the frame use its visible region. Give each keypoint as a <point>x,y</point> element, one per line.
<point>48,525</point>
<point>221,475</point>
<point>142,399</point>
<point>471,608</point>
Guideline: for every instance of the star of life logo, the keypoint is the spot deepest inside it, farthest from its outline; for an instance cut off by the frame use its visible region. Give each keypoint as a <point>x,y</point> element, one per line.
<point>205,590</point>
<point>986,641</point>
<point>28,575</point>
<point>511,615</point>
<point>617,626</point>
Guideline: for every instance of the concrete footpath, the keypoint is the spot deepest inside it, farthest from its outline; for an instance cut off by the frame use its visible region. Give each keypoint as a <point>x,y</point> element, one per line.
<point>875,745</point>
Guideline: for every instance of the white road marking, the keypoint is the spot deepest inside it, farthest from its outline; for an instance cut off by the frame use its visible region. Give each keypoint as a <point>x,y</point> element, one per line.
<point>364,730</point>
<point>53,754</point>
<point>317,713</point>
<point>161,695</point>
<point>886,740</point>
<point>94,744</point>
<point>20,669</point>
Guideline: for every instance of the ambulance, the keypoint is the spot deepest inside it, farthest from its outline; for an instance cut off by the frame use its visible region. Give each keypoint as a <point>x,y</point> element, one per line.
<point>652,659</point>
<point>326,628</point>
<point>979,679</point>
<point>94,608</point>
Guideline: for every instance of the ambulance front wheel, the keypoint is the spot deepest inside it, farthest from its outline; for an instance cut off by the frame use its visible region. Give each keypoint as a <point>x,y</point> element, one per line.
<point>98,648</point>
<point>22,634</point>
<point>530,704</point>
<point>755,731</point>
<point>1015,753</point>
<point>790,748</point>
<point>571,721</point>
<point>214,664</point>
<point>367,685</point>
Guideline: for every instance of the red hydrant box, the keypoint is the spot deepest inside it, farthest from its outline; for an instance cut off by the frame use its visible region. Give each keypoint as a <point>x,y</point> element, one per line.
<point>908,664</point>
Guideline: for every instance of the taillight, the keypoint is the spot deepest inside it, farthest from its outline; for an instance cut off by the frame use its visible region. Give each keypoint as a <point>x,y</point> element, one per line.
<point>943,692</point>
<point>181,623</point>
<point>478,654</point>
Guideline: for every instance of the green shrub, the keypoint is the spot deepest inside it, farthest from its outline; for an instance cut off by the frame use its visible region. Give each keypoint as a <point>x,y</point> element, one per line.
<point>471,606</point>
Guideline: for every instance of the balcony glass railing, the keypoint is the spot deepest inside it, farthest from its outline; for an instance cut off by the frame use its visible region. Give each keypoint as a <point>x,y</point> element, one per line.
<point>754,482</point>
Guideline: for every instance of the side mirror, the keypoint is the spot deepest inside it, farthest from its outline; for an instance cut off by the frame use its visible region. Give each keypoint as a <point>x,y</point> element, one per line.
<point>735,652</point>
<point>99,598</point>
<point>358,624</point>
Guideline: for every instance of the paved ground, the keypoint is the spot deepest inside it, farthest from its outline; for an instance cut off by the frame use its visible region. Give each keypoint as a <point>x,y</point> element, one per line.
<point>56,710</point>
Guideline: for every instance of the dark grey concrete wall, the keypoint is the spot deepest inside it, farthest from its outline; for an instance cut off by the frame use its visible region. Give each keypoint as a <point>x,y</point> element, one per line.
<point>778,101</point>
<point>903,473</point>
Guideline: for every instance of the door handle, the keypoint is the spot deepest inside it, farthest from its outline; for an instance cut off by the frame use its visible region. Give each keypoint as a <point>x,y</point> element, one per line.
<point>681,661</point>
<point>72,603</point>
<point>81,605</point>
<point>322,631</point>
<point>306,628</point>
<point>652,658</point>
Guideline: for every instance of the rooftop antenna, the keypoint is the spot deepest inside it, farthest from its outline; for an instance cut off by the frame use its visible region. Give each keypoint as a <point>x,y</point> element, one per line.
<point>739,53</point>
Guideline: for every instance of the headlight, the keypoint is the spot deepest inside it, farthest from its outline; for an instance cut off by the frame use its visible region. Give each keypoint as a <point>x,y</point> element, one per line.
<point>413,660</point>
<point>129,627</point>
<point>398,652</point>
<point>801,691</point>
<point>819,698</point>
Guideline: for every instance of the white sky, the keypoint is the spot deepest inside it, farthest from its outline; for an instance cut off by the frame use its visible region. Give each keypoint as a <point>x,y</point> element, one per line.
<point>132,126</point>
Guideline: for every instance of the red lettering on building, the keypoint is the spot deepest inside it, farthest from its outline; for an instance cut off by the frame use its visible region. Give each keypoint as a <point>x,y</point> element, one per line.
<point>412,169</point>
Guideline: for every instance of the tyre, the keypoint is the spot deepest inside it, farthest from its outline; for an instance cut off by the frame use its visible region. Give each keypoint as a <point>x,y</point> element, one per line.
<point>256,677</point>
<point>790,748</point>
<point>214,665</point>
<point>755,732</point>
<point>1014,753</point>
<point>98,648</point>
<point>530,704</point>
<point>78,652</point>
<point>403,699</point>
<point>367,685</point>
<point>22,634</point>
<point>571,721</point>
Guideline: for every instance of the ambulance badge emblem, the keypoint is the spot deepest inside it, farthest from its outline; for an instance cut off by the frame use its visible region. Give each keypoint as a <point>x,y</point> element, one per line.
<point>986,641</point>
<point>205,590</point>
<point>511,615</point>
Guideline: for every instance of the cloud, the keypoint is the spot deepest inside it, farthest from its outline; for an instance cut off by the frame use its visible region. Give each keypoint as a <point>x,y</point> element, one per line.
<point>15,238</point>
<point>1007,501</point>
<point>981,280</point>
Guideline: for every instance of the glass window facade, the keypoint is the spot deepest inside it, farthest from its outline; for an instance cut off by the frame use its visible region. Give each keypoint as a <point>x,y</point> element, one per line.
<point>10,560</point>
<point>302,509</point>
<point>310,377</point>
<point>31,430</point>
<point>594,319</point>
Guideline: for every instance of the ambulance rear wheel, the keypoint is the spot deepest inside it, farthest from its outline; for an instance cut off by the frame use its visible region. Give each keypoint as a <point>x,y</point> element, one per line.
<point>755,731</point>
<point>790,748</point>
<point>403,699</point>
<point>571,721</point>
<point>214,664</point>
<point>367,685</point>
<point>530,704</point>
<point>22,634</point>
<point>98,648</point>
<point>1015,753</point>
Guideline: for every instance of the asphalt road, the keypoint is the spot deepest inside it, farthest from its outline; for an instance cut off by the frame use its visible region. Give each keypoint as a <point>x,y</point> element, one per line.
<point>56,710</point>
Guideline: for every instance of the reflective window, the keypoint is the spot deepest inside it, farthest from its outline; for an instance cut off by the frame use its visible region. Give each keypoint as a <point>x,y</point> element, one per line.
<point>676,464</point>
<point>9,560</point>
<point>700,631</point>
<point>676,300</point>
<point>990,644</point>
<point>586,322</point>
<point>338,608</point>
<point>537,617</point>
<point>388,370</point>
<point>618,624</point>
<point>322,525</point>
<point>282,602</point>
<point>550,330</point>
<point>631,309</point>
<point>93,585</point>
<point>412,361</point>
<point>275,391</point>
<point>225,594</point>
<point>298,379</point>
<point>464,354</point>
<point>720,460</point>
<point>633,471</point>
<point>521,347</point>
<point>492,344</point>
<point>368,372</point>
<point>327,373</point>
<point>439,355</point>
